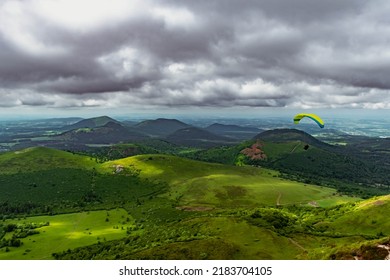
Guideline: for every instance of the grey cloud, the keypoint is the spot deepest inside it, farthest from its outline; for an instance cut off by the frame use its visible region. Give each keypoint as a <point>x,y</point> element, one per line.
<point>203,53</point>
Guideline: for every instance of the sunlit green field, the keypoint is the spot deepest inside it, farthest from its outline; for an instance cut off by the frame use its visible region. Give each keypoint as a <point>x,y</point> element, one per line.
<point>194,183</point>
<point>68,231</point>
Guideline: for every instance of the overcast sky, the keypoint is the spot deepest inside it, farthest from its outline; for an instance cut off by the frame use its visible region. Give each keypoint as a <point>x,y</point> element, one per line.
<point>75,55</point>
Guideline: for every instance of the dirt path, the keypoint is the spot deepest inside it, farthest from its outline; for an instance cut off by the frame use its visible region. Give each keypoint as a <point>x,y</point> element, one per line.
<point>295,148</point>
<point>297,244</point>
<point>278,199</point>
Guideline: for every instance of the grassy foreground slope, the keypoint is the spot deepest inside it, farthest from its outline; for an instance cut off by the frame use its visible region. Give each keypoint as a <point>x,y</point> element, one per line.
<point>260,233</point>
<point>361,230</point>
<point>366,217</point>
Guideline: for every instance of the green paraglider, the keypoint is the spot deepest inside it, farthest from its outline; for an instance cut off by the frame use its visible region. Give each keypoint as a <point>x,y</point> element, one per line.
<point>314,117</point>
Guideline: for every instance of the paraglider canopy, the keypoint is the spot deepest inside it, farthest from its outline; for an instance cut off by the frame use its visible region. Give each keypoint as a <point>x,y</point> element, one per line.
<point>314,117</point>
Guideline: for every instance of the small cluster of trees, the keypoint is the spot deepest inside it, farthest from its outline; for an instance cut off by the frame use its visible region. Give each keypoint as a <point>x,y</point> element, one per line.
<point>19,231</point>
<point>13,242</point>
<point>273,218</point>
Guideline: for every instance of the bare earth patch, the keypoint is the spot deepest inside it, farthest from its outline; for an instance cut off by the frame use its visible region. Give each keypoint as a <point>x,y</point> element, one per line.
<point>313,203</point>
<point>195,208</point>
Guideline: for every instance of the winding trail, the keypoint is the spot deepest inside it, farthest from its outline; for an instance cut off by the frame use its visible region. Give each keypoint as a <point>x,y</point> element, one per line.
<point>278,199</point>
<point>297,244</point>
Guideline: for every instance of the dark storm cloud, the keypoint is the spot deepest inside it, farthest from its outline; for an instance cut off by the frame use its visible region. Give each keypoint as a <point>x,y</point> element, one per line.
<point>300,53</point>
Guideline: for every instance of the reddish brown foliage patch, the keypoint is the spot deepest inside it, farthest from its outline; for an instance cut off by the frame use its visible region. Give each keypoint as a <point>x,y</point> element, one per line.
<point>255,152</point>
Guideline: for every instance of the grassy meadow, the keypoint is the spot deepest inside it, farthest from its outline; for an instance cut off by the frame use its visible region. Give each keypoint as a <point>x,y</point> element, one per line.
<point>67,231</point>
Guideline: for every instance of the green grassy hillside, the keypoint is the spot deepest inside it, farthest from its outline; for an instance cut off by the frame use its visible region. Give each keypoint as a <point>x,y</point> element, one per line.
<point>260,233</point>
<point>41,158</point>
<point>199,184</point>
<point>42,180</point>
<point>63,232</point>
<point>366,217</point>
<point>178,208</point>
<point>351,231</point>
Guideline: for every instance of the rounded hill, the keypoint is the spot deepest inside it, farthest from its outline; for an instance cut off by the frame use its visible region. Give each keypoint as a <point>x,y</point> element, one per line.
<point>41,158</point>
<point>289,135</point>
